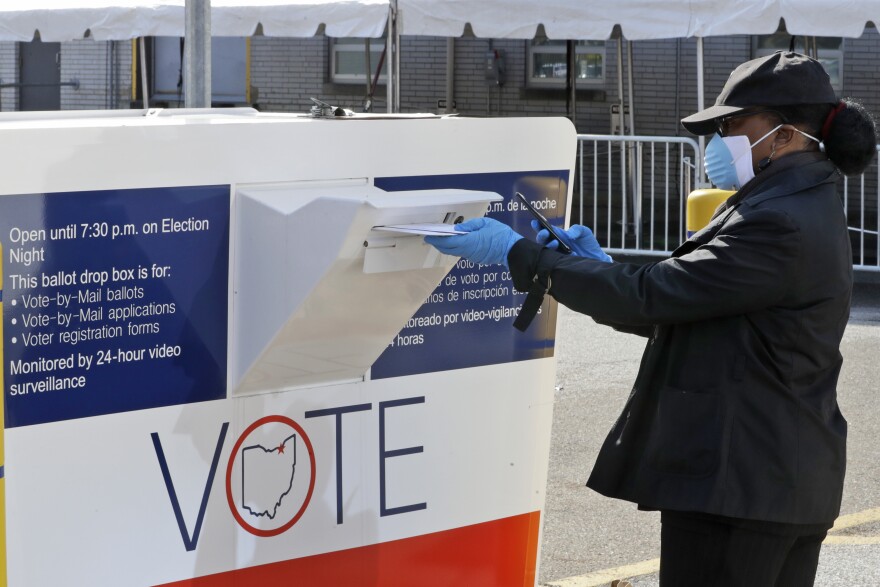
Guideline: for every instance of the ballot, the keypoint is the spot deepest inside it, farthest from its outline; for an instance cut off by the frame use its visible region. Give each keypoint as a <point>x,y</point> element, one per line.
<point>438,229</point>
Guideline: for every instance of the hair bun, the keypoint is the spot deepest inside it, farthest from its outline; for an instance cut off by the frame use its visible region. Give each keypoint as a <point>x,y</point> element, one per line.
<point>829,120</point>
<point>851,137</point>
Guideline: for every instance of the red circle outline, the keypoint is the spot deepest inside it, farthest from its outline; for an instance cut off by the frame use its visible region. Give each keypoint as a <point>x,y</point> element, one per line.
<point>302,509</point>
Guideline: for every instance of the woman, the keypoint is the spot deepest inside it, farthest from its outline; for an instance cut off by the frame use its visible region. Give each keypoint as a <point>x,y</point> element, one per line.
<point>732,429</point>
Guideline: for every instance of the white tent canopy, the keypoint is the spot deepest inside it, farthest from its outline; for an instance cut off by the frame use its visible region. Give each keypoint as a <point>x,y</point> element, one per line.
<point>638,19</point>
<point>66,20</point>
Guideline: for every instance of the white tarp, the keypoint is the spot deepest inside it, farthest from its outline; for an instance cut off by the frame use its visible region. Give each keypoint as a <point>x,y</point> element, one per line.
<point>639,19</point>
<point>66,20</point>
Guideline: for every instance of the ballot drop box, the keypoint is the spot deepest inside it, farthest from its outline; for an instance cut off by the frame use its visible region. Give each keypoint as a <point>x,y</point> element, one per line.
<point>220,370</point>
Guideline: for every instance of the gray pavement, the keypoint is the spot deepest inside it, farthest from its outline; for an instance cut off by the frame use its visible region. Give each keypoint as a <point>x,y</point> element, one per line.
<point>585,533</point>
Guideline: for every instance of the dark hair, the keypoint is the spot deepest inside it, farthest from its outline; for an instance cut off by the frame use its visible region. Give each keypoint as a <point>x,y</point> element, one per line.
<point>851,139</point>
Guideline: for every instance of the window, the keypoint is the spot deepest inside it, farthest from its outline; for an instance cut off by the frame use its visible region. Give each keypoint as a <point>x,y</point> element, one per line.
<point>547,63</point>
<point>348,62</point>
<point>229,70</point>
<point>830,52</point>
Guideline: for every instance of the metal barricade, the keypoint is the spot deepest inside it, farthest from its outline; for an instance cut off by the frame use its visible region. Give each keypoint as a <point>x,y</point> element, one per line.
<point>862,216</point>
<point>632,191</point>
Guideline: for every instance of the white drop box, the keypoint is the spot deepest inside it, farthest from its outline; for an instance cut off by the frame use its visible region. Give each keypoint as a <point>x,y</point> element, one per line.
<point>324,317</point>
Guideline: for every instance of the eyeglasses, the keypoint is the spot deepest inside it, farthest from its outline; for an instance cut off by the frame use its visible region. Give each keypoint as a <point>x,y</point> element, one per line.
<point>723,124</point>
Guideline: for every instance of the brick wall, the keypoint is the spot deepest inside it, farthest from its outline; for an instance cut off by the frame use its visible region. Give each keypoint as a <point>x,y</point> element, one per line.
<point>8,74</point>
<point>286,72</point>
<point>861,69</point>
<point>91,63</point>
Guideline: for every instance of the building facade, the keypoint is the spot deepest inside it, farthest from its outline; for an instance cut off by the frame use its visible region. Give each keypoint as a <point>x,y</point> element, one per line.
<point>282,74</point>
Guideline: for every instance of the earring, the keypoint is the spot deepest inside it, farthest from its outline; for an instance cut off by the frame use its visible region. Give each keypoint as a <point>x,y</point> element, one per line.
<point>766,161</point>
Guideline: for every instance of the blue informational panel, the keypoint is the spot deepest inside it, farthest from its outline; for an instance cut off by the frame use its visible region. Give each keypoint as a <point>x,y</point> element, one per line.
<point>468,320</point>
<point>113,301</point>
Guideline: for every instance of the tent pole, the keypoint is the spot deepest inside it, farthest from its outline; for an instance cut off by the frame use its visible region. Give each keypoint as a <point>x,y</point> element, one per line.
<point>571,82</point>
<point>197,54</point>
<point>620,103</point>
<point>450,75</point>
<point>145,89</point>
<point>368,69</point>
<point>396,60</point>
<point>701,101</point>
<point>634,160</point>
<point>388,50</point>
<point>389,54</point>
<point>621,120</point>
<point>630,92</point>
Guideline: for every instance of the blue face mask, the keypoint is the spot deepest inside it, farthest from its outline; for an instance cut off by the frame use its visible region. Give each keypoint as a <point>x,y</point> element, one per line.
<point>728,160</point>
<point>719,164</point>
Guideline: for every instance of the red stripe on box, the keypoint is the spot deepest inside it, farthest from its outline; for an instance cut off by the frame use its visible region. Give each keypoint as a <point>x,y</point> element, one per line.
<point>501,553</point>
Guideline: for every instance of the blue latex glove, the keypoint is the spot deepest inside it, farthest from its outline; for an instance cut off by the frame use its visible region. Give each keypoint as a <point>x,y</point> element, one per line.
<point>580,240</point>
<point>487,241</point>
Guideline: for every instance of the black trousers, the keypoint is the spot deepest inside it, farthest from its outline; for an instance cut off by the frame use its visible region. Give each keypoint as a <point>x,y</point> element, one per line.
<point>702,550</point>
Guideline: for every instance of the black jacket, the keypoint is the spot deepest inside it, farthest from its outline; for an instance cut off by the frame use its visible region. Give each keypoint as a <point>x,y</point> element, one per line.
<point>734,411</point>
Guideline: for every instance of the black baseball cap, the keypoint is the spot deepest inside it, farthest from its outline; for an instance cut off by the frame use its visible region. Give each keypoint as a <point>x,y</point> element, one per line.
<point>780,79</point>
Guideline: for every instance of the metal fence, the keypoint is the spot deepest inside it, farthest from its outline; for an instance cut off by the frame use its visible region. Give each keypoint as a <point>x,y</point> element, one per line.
<point>861,199</point>
<point>632,191</point>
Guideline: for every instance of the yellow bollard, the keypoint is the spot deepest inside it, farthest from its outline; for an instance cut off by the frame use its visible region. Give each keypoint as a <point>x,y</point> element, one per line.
<point>701,205</point>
